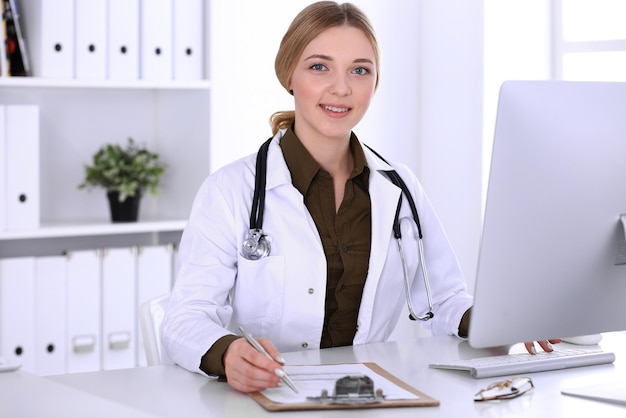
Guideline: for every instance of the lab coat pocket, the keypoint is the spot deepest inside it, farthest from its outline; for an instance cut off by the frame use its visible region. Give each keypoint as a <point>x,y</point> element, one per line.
<point>259,292</point>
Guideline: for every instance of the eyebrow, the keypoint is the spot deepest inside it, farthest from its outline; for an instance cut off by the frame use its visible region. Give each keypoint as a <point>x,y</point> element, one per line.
<point>329,58</point>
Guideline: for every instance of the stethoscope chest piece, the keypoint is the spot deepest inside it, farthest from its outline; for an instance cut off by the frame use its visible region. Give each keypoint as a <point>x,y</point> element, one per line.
<point>256,246</point>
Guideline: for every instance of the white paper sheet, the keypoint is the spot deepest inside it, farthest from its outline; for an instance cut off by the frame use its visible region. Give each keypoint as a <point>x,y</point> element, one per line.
<point>310,380</point>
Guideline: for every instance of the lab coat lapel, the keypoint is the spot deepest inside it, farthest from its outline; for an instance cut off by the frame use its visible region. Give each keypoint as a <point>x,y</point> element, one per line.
<point>384,196</point>
<point>277,170</point>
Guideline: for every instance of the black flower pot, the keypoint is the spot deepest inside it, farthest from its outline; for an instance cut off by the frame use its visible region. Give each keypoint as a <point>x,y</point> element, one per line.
<point>126,211</point>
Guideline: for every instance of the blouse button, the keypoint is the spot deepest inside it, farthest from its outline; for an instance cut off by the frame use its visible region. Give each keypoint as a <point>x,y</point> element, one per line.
<point>311,291</point>
<point>305,344</point>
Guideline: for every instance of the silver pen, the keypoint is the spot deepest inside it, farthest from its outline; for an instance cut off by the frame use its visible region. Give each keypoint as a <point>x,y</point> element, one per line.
<point>280,373</point>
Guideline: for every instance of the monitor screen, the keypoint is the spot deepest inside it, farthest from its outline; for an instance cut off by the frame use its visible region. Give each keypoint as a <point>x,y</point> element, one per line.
<point>552,260</point>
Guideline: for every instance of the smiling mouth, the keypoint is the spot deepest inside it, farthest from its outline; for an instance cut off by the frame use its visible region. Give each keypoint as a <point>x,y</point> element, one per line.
<point>335,109</point>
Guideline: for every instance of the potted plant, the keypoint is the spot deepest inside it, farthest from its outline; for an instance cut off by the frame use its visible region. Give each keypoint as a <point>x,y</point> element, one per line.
<point>125,173</point>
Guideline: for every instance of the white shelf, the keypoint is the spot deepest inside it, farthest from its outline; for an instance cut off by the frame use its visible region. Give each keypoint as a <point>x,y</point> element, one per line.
<point>53,240</point>
<point>82,229</point>
<point>36,82</point>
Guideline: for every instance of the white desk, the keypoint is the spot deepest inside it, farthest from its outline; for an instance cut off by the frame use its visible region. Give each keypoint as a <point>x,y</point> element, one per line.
<point>169,391</point>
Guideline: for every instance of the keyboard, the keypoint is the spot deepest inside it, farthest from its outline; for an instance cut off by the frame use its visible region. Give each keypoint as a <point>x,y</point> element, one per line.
<point>511,364</point>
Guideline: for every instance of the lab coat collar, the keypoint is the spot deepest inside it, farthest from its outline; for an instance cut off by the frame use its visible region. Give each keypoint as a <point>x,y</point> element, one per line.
<point>277,170</point>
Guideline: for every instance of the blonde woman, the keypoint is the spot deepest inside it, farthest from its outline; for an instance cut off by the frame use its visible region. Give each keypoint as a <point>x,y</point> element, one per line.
<point>323,269</point>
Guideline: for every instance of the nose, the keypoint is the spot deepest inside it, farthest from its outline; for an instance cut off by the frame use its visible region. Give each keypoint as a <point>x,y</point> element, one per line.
<point>341,85</point>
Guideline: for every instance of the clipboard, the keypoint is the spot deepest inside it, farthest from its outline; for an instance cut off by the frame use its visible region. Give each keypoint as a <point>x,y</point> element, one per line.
<point>423,400</point>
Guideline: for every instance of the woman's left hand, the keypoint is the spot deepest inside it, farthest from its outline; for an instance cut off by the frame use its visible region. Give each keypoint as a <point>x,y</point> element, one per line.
<point>546,345</point>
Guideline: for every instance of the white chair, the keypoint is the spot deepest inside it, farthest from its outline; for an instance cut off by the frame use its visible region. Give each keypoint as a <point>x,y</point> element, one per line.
<point>151,315</point>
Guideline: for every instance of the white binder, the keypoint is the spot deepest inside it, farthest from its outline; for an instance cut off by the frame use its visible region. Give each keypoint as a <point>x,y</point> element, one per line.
<point>83,311</point>
<point>154,279</point>
<point>3,169</point>
<point>119,317</point>
<point>49,31</point>
<point>123,42</point>
<point>156,40</point>
<point>91,39</point>
<point>50,315</point>
<point>22,167</point>
<point>17,307</point>
<point>188,40</point>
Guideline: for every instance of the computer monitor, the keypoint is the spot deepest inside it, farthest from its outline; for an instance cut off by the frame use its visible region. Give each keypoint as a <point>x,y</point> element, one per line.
<point>552,259</point>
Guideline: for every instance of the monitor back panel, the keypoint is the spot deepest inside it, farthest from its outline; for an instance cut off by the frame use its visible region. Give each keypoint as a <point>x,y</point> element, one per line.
<point>551,261</point>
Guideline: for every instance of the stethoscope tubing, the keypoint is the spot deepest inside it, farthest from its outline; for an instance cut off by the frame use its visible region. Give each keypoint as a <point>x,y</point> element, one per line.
<point>256,247</point>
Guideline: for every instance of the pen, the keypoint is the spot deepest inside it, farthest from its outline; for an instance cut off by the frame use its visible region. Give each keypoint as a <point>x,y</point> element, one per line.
<point>280,373</point>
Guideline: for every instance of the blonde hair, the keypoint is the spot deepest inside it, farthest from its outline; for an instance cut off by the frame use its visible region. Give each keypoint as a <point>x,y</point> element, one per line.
<point>307,25</point>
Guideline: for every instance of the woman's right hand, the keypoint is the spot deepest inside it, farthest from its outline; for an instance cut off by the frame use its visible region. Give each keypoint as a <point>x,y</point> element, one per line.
<point>247,370</point>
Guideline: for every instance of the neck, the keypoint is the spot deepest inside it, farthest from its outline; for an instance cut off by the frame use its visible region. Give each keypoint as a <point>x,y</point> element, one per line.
<point>332,154</point>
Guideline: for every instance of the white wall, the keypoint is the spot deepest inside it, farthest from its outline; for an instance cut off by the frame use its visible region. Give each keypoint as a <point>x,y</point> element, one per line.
<point>516,47</point>
<point>450,156</point>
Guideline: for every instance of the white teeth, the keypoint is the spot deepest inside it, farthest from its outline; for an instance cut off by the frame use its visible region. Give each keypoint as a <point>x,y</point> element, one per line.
<point>335,109</point>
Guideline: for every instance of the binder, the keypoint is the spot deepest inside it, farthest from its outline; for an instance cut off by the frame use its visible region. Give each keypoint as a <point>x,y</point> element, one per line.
<point>48,27</point>
<point>119,317</point>
<point>4,65</point>
<point>22,167</point>
<point>17,307</point>
<point>156,40</point>
<point>154,279</point>
<point>50,315</point>
<point>15,49</point>
<point>91,30</point>
<point>90,37</point>
<point>123,40</point>
<point>3,169</point>
<point>83,311</point>
<point>188,39</point>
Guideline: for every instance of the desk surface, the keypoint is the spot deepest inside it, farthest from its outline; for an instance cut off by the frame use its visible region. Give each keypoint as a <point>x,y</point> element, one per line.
<point>169,391</point>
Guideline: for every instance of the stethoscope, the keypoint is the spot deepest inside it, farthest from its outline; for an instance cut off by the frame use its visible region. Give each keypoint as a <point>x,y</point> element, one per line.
<point>256,246</point>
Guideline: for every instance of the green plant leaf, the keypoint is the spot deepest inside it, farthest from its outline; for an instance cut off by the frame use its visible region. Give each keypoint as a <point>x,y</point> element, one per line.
<point>127,170</point>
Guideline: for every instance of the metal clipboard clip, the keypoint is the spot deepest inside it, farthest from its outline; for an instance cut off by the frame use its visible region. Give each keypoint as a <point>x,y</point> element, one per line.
<point>351,390</point>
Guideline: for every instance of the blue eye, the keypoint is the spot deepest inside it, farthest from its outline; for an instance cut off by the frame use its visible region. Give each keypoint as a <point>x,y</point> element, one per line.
<point>318,67</point>
<point>361,71</point>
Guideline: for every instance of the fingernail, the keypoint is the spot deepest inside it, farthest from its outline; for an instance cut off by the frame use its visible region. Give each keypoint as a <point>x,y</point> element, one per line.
<point>533,350</point>
<point>278,372</point>
<point>549,346</point>
<point>280,359</point>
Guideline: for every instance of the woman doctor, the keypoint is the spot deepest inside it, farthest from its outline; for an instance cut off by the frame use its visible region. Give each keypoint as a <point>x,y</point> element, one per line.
<point>334,273</point>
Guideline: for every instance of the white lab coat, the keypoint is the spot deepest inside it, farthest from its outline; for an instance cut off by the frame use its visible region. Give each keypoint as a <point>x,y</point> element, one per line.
<point>282,297</point>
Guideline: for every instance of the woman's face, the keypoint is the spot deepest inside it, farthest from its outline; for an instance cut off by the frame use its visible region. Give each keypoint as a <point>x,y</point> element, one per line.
<point>333,84</point>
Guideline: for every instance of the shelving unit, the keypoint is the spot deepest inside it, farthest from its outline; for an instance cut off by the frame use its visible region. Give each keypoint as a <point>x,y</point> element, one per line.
<point>78,274</point>
<point>76,118</point>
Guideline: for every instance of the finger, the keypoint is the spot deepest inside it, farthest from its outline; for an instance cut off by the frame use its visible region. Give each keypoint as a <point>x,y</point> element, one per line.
<point>530,347</point>
<point>247,370</point>
<point>246,377</point>
<point>555,341</point>
<point>272,350</point>
<point>241,348</point>
<point>546,346</point>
